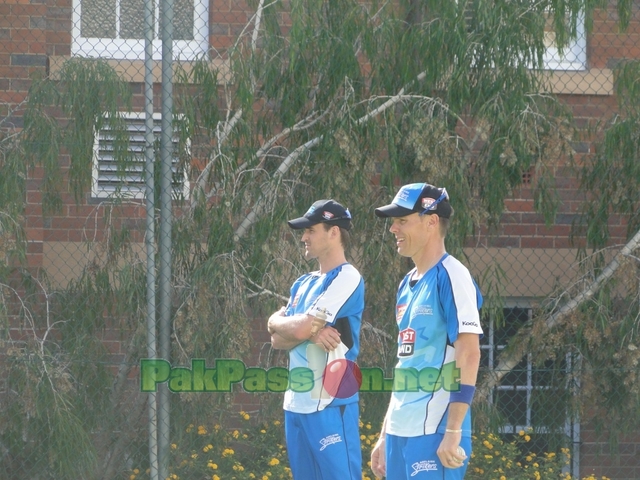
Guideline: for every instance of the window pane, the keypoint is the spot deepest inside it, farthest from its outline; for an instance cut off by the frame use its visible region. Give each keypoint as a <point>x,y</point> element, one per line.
<point>132,19</point>
<point>513,406</point>
<point>183,29</point>
<point>98,18</point>
<point>517,376</point>
<point>550,373</point>
<point>548,408</point>
<point>183,19</point>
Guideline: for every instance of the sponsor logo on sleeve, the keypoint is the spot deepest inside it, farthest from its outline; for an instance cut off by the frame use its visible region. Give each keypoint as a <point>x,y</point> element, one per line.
<point>470,324</point>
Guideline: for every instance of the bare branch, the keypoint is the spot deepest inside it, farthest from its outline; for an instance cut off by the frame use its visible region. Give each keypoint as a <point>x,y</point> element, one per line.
<point>510,359</point>
<point>288,162</point>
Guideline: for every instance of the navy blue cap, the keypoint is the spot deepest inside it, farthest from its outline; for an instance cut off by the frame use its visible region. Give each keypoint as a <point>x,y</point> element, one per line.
<point>418,198</point>
<point>323,211</point>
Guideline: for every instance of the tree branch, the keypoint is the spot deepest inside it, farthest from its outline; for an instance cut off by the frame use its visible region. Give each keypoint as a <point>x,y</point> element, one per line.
<point>510,359</point>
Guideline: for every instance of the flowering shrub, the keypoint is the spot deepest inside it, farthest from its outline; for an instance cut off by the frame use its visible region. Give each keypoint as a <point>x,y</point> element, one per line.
<point>496,459</point>
<point>257,451</point>
<point>217,453</point>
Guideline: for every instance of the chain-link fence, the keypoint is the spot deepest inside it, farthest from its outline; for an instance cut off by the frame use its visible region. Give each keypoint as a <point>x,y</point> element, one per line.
<point>143,238</point>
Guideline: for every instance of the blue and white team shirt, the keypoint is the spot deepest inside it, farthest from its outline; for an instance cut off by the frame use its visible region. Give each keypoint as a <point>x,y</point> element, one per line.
<point>430,314</point>
<point>340,294</point>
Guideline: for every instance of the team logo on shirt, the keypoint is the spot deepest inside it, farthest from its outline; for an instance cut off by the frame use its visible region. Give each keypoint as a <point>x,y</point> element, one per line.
<point>423,466</point>
<point>400,309</point>
<point>295,301</point>
<point>330,440</point>
<point>407,338</point>
<point>421,310</point>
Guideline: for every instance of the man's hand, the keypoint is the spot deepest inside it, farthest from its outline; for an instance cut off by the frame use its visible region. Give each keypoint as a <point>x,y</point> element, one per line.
<point>327,338</point>
<point>279,313</point>
<point>448,451</point>
<point>378,460</point>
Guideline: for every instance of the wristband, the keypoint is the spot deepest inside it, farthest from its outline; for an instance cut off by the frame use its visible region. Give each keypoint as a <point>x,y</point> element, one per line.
<point>464,395</point>
<point>448,430</point>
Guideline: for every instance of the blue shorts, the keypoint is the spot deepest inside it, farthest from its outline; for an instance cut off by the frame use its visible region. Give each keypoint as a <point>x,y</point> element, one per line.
<point>415,458</point>
<point>324,445</point>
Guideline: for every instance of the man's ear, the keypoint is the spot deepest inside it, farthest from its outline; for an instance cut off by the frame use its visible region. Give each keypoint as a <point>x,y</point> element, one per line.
<point>433,220</point>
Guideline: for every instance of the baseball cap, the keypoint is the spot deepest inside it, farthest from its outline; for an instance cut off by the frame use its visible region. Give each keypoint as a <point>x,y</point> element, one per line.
<point>418,198</point>
<point>323,211</point>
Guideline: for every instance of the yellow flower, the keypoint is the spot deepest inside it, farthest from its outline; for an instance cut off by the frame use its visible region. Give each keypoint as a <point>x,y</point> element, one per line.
<point>521,433</point>
<point>276,422</point>
<point>173,446</point>
<point>136,471</point>
<point>235,434</point>
<point>502,477</point>
<point>202,430</point>
<point>263,431</point>
<point>274,461</point>
<point>527,438</point>
<point>212,466</point>
<point>529,458</point>
<point>194,455</point>
<point>132,477</point>
<point>215,477</point>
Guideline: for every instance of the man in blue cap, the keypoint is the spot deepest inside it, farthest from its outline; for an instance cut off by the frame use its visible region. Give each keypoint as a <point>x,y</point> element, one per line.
<point>426,433</point>
<point>320,327</point>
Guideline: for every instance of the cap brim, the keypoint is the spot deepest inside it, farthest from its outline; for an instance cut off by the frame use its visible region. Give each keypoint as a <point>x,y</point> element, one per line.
<point>300,223</point>
<point>393,210</point>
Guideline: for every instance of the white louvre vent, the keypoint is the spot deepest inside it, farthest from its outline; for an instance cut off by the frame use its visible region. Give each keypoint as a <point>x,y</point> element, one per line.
<point>112,179</point>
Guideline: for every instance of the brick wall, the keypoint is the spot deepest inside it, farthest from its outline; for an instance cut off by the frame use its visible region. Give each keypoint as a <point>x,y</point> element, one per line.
<point>33,31</point>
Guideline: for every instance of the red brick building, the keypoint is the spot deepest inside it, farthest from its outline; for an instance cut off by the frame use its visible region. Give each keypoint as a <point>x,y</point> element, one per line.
<point>36,37</point>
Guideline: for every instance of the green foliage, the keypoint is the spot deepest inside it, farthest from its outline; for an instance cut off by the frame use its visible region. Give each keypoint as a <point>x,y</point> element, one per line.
<point>498,457</point>
<point>347,101</point>
<point>40,418</point>
<point>612,176</point>
<point>88,96</point>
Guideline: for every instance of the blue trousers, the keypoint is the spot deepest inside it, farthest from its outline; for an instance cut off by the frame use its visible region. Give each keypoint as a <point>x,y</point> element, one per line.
<point>415,458</point>
<point>324,445</point>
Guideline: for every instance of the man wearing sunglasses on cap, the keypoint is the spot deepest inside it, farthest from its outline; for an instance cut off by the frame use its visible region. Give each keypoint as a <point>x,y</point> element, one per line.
<point>426,433</point>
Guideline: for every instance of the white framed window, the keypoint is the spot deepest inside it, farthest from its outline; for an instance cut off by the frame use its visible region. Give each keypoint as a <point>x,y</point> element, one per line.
<point>114,178</point>
<point>573,55</point>
<point>115,29</point>
<point>532,397</point>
